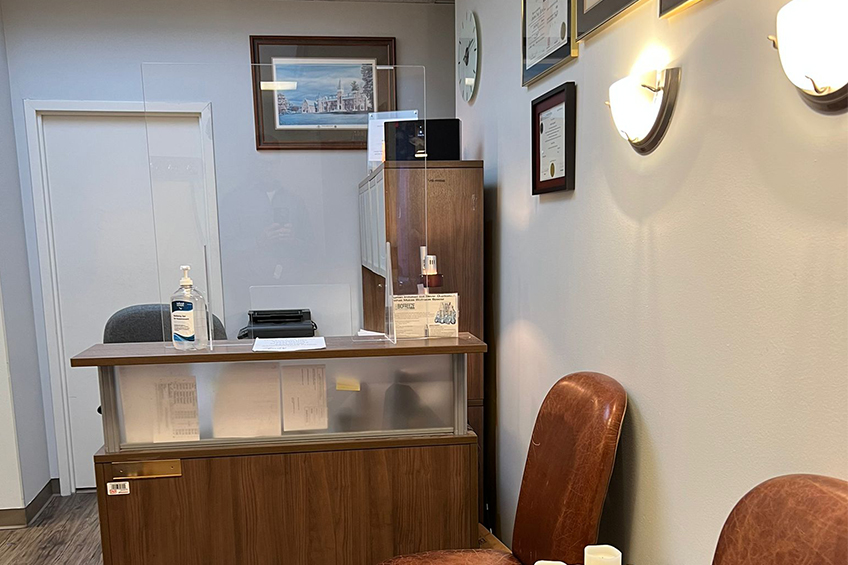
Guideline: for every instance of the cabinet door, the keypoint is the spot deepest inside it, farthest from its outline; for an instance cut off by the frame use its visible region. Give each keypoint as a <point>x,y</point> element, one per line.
<point>369,228</point>
<point>363,232</point>
<point>381,225</point>
<point>374,211</point>
<point>475,420</point>
<point>293,508</point>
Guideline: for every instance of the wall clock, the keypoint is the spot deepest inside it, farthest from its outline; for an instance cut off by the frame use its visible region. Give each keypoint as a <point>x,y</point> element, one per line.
<point>466,56</point>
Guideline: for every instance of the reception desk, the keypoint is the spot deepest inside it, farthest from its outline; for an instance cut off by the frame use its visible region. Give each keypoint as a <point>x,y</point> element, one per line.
<point>385,464</point>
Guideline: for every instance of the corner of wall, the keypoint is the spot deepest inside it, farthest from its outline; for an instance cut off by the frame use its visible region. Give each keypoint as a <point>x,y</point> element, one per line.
<point>20,355</point>
<point>11,487</point>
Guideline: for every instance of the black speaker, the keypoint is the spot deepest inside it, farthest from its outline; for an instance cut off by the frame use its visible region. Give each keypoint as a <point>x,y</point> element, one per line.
<point>435,140</point>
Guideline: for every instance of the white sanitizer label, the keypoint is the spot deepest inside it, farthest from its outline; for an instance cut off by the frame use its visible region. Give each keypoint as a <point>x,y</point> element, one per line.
<point>182,320</point>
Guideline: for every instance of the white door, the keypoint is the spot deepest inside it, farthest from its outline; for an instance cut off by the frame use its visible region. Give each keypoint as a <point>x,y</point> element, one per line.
<point>98,217</point>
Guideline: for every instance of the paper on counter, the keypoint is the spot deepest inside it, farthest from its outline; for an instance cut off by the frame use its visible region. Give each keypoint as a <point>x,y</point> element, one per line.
<point>247,401</point>
<point>304,398</point>
<point>176,410</point>
<point>289,344</point>
<point>369,333</point>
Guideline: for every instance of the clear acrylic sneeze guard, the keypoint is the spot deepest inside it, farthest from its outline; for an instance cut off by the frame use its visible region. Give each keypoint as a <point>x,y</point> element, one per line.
<point>278,228</point>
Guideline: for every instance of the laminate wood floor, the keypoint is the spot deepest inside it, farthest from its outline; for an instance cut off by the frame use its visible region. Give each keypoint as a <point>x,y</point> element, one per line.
<point>65,533</point>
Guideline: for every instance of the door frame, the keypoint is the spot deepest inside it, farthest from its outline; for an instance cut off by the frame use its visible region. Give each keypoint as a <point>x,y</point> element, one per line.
<point>52,350</point>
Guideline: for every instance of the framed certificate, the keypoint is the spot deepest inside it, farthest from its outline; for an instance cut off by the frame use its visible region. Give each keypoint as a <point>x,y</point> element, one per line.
<point>669,8</point>
<point>554,138</point>
<point>548,37</point>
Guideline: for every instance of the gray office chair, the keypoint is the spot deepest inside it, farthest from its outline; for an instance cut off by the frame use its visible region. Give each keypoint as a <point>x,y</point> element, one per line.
<point>147,322</point>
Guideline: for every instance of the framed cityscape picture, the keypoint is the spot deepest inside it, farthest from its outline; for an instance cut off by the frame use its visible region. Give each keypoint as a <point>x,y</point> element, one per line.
<point>317,92</point>
<point>593,15</point>
<point>554,139</point>
<point>548,37</point>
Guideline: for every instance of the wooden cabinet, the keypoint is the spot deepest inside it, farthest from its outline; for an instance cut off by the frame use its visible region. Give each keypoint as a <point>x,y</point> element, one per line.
<point>440,206</point>
<point>354,502</point>
<point>378,481</point>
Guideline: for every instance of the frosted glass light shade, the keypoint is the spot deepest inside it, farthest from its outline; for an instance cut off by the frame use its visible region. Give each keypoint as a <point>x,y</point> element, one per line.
<point>641,107</point>
<point>635,108</point>
<point>811,41</point>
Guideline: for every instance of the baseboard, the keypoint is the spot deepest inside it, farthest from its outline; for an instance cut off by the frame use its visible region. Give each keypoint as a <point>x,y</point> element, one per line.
<point>21,517</point>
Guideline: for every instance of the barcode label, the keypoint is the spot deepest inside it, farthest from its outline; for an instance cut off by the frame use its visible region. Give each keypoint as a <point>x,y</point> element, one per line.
<point>121,487</point>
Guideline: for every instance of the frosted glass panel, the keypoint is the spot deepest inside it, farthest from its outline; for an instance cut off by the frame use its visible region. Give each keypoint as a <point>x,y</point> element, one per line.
<point>248,400</point>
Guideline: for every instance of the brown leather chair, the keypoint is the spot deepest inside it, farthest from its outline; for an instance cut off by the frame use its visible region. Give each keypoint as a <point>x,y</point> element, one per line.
<point>790,520</point>
<point>566,476</point>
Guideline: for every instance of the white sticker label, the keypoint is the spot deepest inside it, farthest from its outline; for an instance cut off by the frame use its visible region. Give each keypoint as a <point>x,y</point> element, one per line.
<point>120,487</point>
<point>182,320</point>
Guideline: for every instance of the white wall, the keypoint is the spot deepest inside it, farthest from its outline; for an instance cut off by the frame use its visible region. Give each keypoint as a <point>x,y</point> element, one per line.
<point>93,50</point>
<point>10,476</point>
<point>11,489</point>
<point>709,278</point>
<point>20,364</point>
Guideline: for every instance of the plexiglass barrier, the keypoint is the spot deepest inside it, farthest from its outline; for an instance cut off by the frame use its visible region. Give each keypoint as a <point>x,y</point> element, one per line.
<point>262,182</point>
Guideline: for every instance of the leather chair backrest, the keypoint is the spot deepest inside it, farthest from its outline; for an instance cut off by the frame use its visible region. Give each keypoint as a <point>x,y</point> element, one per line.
<point>571,456</point>
<point>145,323</point>
<point>789,520</point>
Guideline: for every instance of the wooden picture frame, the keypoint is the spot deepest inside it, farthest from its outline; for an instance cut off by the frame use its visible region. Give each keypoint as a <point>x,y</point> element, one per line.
<point>547,62</point>
<point>563,97</point>
<point>595,15</point>
<point>314,117</point>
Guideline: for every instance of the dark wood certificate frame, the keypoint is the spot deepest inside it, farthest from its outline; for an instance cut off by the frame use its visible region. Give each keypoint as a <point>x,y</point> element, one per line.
<point>567,93</point>
<point>561,56</point>
<point>264,47</point>
<point>598,16</point>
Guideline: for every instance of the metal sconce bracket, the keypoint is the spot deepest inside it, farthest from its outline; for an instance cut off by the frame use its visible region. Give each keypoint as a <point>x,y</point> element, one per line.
<point>828,103</point>
<point>669,83</point>
<point>819,99</point>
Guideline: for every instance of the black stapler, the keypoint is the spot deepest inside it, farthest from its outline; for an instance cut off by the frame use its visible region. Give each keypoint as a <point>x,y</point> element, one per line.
<point>278,323</point>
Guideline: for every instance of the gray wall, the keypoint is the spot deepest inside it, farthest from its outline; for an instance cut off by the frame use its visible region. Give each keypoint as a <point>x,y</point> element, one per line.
<point>17,309</point>
<point>709,278</point>
<point>93,49</point>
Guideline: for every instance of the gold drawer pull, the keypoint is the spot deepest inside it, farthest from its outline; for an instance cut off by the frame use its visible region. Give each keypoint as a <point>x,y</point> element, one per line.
<point>147,469</point>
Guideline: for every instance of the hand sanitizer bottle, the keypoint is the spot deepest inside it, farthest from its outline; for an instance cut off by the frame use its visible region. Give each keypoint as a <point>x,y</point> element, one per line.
<point>188,316</point>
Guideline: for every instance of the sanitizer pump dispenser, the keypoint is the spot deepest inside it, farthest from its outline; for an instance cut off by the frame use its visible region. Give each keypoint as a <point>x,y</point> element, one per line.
<point>188,316</point>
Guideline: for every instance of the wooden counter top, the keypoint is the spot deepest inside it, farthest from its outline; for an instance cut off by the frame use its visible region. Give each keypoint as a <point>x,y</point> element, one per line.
<point>242,446</point>
<point>426,164</point>
<point>159,353</point>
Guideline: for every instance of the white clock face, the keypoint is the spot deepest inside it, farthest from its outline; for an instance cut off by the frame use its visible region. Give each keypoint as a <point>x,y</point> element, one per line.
<point>466,56</point>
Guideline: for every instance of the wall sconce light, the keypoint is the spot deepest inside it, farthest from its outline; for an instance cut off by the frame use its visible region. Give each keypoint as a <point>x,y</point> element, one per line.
<point>641,107</point>
<point>811,42</point>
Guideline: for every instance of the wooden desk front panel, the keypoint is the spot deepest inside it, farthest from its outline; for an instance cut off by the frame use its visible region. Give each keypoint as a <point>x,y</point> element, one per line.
<point>354,507</point>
